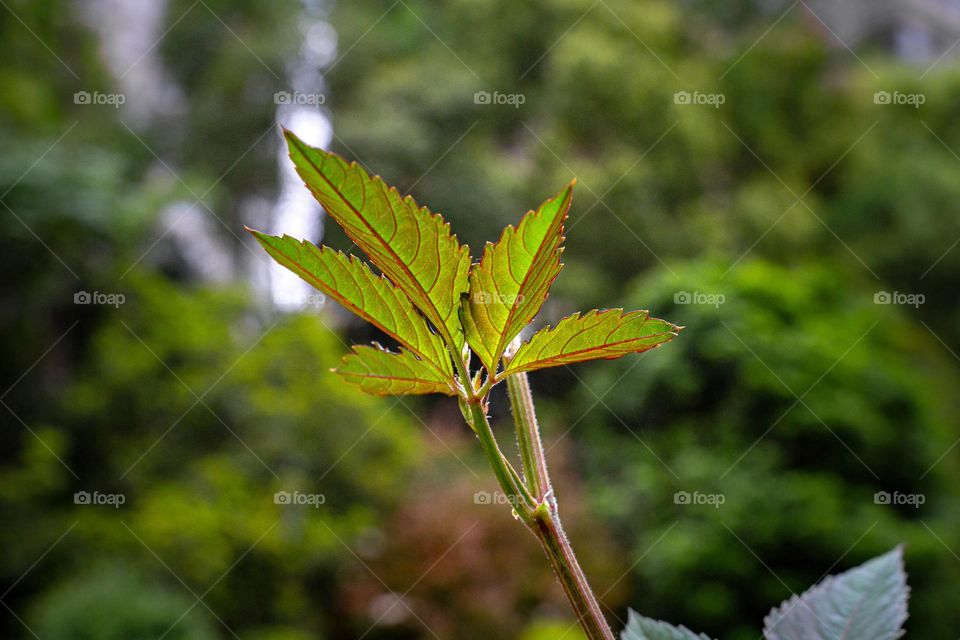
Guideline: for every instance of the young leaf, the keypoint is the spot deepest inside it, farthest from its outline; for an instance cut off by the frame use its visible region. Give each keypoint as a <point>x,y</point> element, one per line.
<point>383,373</point>
<point>865,603</point>
<point>641,628</point>
<point>513,279</point>
<point>351,283</point>
<point>605,334</point>
<point>411,246</point>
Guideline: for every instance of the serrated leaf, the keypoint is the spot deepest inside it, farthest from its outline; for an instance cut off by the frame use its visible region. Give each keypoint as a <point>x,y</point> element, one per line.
<point>383,373</point>
<point>411,246</point>
<point>641,628</point>
<point>350,282</point>
<point>596,335</point>
<point>513,279</point>
<point>865,603</point>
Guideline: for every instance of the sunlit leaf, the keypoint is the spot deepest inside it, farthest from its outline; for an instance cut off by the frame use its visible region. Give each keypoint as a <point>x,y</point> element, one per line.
<point>350,282</point>
<point>641,628</point>
<point>513,279</point>
<point>865,603</point>
<point>411,246</point>
<point>384,373</point>
<point>597,334</point>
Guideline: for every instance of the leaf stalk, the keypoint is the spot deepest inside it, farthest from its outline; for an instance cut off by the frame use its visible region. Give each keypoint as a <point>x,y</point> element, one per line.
<point>509,480</point>
<point>535,470</point>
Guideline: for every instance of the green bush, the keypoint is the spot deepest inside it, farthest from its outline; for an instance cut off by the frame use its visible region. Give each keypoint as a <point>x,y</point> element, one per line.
<point>112,603</point>
<point>719,414</point>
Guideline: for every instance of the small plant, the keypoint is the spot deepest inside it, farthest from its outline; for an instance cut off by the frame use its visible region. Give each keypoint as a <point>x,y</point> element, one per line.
<point>443,309</point>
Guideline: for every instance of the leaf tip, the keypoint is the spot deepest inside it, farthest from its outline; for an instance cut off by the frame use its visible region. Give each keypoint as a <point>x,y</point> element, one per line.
<point>290,137</point>
<point>259,236</point>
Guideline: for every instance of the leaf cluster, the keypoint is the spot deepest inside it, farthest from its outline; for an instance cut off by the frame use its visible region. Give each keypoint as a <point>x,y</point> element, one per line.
<point>422,288</point>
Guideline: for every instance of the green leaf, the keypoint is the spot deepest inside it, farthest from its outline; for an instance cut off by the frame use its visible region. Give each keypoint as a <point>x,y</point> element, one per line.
<point>513,279</point>
<point>384,373</point>
<point>410,245</point>
<point>641,628</point>
<point>351,283</point>
<point>865,603</point>
<point>597,334</point>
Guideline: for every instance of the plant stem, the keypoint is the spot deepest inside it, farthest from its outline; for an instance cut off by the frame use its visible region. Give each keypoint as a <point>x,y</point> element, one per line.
<point>521,500</point>
<point>546,526</point>
<point>544,521</point>
<point>528,436</point>
<point>464,374</point>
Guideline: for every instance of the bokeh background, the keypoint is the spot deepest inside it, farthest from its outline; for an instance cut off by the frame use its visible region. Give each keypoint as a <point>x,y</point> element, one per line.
<point>781,178</point>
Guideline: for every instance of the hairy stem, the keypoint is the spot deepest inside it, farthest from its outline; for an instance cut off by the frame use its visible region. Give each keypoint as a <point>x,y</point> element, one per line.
<point>546,526</point>
<point>544,519</point>
<point>476,416</point>
<point>528,436</point>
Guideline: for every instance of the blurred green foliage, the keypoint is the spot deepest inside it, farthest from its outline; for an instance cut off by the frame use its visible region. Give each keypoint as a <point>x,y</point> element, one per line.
<point>796,397</point>
<point>797,402</point>
<point>111,604</point>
